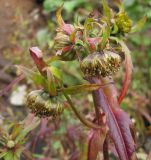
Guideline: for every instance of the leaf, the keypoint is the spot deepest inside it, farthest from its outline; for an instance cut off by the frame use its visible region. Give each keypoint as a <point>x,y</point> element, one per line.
<point>51,83</point>
<point>37,56</point>
<point>56,72</point>
<point>8,155</point>
<point>128,71</point>
<point>120,139</point>
<point>125,123</point>
<point>8,87</point>
<point>59,17</point>
<point>29,123</point>
<point>16,130</point>
<point>95,144</point>
<point>83,88</point>
<point>3,154</point>
<point>106,9</point>
<point>68,28</point>
<point>32,75</point>
<point>105,36</point>
<point>139,25</point>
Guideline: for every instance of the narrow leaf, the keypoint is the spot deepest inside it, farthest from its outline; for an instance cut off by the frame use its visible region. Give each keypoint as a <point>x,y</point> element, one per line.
<point>105,36</point>
<point>51,85</point>
<point>59,17</point>
<point>125,123</point>
<point>128,71</point>
<point>8,87</point>
<point>68,28</point>
<point>29,124</point>
<point>106,9</point>
<point>139,25</point>
<point>83,88</point>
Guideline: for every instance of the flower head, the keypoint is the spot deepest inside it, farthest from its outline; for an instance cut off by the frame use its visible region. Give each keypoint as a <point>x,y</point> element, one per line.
<point>101,64</point>
<point>123,22</point>
<point>42,105</point>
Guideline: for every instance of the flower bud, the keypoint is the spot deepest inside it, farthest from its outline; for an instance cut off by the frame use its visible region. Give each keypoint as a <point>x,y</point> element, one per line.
<point>61,41</point>
<point>64,46</point>
<point>101,64</point>
<point>10,144</point>
<point>123,22</point>
<point>42,105</point>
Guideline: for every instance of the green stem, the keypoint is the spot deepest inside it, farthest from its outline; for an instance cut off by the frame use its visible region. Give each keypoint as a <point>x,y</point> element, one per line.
<point>80,115</point>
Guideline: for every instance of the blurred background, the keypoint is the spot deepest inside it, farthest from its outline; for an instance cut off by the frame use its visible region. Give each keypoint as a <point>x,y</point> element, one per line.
<point>26,23</point>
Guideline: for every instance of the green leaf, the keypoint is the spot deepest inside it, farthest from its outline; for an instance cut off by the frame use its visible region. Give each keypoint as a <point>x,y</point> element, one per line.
<point>42,37</point>
<point>106,9</point>
<point>56,72</point>
<point>82,88</point>
<point>8,155</point>
<point>51,84</point>
<point>105,36</point>
<point>29,125</point>
<point>59,17</point>
<point>32,75</point>
<point>3,154</point>
<point>139,25</point>
<point>79,42</point>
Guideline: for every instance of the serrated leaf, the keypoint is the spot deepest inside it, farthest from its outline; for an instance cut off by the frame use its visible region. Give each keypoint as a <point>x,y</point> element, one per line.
<point>139,25</point>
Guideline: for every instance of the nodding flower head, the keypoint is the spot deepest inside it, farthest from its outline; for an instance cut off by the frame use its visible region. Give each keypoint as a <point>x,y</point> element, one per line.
<point>101,64</point>
<point>42,105</point>
<point>123,22</point>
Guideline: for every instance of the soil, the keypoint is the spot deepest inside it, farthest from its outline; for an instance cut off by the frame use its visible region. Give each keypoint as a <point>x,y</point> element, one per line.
<point>11,13</point>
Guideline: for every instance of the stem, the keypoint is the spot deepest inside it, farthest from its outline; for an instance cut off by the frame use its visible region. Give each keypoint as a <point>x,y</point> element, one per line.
<point>80,115</point>
<point>101,101</point>
<point>105,150</point>
<point>97,112</point>
<point>27,155</point>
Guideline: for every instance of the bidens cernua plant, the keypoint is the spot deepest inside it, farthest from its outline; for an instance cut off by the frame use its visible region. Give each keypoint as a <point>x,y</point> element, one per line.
<point>98,44</point>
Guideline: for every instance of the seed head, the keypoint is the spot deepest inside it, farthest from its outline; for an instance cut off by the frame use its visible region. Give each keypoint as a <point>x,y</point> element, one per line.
<point>101,64</point>
<point>42,105</point>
